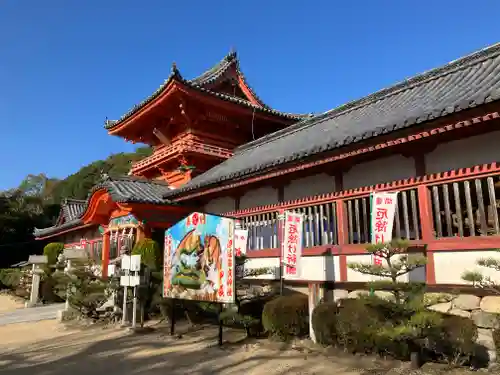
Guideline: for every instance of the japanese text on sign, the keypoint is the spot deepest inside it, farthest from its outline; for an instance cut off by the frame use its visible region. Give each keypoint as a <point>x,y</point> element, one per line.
<point>292,245</point>
<point>240,241</point>
<point>240,249</point>
<point>382,218</point>
<point>167,261</point>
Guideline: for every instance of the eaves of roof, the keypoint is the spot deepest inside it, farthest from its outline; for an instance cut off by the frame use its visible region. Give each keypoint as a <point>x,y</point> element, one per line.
<point>125,189</point>
<point>201,84</point>
<point>469,82</point>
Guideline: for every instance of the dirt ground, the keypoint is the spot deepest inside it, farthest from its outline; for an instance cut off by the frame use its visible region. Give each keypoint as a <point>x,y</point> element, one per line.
<point>50,348</point>
<point>9,303</point>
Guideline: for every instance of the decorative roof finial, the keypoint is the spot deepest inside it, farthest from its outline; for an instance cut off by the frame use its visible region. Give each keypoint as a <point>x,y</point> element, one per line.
<point>174,70</point>
<point>103,176</point>
<point>232,53</point>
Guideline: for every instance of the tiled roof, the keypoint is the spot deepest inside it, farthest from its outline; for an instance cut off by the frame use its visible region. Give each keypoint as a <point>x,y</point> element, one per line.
<point>462,84</point>
<point>130,189</point>
<point>203,84</point>
<point>126,189</point>
<point>71,209</point>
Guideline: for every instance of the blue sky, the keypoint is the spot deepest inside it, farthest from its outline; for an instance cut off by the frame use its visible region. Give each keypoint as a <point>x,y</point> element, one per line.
<point>66,65</point>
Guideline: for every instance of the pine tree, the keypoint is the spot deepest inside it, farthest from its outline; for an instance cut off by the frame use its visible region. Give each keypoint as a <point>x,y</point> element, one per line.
<point>476,278</point>
<point>397,264</point>
<point>85,290</point>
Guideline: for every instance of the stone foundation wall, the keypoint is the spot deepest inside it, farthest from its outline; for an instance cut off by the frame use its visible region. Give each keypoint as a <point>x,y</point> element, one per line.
<point>483,311</point>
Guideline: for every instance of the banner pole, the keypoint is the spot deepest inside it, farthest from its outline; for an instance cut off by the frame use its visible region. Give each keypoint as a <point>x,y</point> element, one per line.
<point>281,233</point>
<point>372,291</point>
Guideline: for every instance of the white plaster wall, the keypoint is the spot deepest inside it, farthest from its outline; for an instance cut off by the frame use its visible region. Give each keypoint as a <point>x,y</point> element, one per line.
<point>395,167</point>
<point>220,205</point>
<point>418,275</point>
<point>450,265</point>
<point>316,268</point>
<point>309,186</point>
<point>259,197</point>
<point>480,149</point>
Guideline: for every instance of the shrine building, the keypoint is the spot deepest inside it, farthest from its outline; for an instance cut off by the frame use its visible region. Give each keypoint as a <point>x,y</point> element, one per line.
<point>220,149</point>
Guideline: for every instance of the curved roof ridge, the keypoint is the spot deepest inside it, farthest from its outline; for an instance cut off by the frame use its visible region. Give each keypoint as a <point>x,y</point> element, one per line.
<point>213,73</point>
<point>417,80</point>
<point>123,189</point>
<point>200,83</point>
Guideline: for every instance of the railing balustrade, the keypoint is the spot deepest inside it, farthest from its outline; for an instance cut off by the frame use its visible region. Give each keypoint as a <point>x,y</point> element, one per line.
<point>466,208</point>
<point>463,203</point>
<point>406,220</point>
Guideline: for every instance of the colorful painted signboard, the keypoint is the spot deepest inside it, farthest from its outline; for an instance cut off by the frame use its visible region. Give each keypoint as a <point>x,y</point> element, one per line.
<point>383,209</point>
<point>199,259</point>
<point>292,245</point>
<point>121,222</point>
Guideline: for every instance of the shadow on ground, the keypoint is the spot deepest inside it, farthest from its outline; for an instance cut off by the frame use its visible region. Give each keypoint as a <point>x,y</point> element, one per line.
<point>112,352</point>
<point>91,352</point>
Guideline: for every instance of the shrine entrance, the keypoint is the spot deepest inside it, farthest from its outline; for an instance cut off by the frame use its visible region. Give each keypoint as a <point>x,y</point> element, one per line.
<point>124,224</point>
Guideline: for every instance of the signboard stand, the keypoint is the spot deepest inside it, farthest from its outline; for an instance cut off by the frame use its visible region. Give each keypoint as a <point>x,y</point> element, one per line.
<point>125,296</point>
<point>131,265</point>
<point>172,317</point>
<point>200,262</point>
<point>221,326</point>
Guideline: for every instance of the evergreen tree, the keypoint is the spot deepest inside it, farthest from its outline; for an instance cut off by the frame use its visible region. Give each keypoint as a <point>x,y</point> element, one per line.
<point>398,263</point>
<point>478,279</point>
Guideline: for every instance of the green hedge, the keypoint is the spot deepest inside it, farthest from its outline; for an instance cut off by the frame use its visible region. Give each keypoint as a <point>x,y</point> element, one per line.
<point>10,278</point>
<point>286,316</point>
<point>372,325</point>
<point>324,323</point>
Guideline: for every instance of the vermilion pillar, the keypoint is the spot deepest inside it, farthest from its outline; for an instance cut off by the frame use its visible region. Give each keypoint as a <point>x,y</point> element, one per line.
<point>105,253</point>
<point>426,224</point>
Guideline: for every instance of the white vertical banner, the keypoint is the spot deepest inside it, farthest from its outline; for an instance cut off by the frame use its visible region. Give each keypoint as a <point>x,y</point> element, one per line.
<point>292,245</point>
<point>383,209</point>
<point>240,241</point>
<point>240,249</point>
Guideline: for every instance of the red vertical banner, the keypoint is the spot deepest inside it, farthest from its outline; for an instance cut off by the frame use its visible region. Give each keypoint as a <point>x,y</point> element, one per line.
<point>292,245</point>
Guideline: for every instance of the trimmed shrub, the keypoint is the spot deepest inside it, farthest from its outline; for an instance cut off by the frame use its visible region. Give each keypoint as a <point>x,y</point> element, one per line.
<point>286,316</point>
<point>52,251</point>
<point>456,343</point>
<point>150,253</point>
<point>324,322</point>
<point>357,325</point>
<point>395,312</point>
<point>10,278</point>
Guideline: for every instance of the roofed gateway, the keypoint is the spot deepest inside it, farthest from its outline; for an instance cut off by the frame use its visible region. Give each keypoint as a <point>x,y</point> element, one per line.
<point>220,149</point>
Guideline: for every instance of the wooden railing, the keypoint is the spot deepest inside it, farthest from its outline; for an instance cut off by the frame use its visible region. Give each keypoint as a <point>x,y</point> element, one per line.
<point>461,203</point>
<point>406,220</point>
<point>186,144</point>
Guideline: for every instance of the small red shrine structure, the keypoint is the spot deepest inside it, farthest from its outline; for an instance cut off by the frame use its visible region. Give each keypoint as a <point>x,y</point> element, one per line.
<point>217,146</point>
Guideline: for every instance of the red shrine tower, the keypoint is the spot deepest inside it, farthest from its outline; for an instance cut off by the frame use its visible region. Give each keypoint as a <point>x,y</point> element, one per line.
<point>192,125</point>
